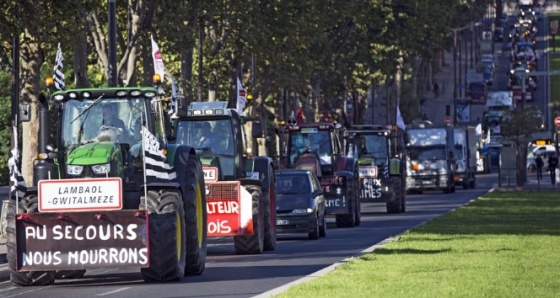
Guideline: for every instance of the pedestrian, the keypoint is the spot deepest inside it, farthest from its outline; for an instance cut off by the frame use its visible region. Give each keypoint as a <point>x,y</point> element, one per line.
<point>552,165</point>
<point>436,90</point>
<point>539,163</point>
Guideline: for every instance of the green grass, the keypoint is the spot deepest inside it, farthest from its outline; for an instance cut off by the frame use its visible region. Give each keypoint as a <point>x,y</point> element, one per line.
<point>505,244</point>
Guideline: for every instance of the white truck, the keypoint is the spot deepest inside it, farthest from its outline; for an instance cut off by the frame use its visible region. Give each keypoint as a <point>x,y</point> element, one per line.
<point>430,159</point>
<point>465,154</point>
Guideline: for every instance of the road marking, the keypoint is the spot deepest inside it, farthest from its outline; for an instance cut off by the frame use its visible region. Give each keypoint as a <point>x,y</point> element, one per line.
<point>113,292</point>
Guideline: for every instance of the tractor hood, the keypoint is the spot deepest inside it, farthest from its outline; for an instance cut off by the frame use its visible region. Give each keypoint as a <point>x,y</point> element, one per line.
<point>91,154</point>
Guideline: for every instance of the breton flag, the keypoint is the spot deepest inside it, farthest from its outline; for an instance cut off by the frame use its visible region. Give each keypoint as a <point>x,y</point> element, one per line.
<point>155,159</point>
<point>400,121</point>
<point>241,97</point>
<point>18,185</point>
<point>58,77</point>
<point>159,68</point>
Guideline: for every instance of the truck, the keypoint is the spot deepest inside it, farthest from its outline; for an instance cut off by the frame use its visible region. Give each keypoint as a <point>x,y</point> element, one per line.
<point>430,159</point>
<point>498,107</point>
<point>108,197</point>
<point>465,154</point>
<point>239,186</point>
<point>380,154</point>
<point>319,147</point>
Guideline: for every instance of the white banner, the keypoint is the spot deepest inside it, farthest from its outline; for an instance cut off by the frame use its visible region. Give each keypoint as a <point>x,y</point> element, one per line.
<point>159,68</point>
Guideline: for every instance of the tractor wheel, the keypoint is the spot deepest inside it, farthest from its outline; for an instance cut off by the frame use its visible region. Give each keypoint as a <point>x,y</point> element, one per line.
<point>253,244</point>
<point>28,204</point>
<point>167,234</point>
<point>195,218</point>
<point>270,213</point>
<point>323,227</point>
<point>396,205</point>
<point>314,235</point>
<point>357,202</point>
<point>346,220</point>
<point>349,220</point>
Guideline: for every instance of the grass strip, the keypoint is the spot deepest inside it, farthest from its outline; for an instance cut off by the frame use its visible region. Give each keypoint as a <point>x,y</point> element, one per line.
<point>504,244</point>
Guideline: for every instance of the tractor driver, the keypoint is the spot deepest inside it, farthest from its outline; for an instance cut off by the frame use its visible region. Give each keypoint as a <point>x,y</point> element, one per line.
<point>112,128</point>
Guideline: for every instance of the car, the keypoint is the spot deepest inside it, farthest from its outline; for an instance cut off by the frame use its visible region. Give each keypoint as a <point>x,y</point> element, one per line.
<point>545,151</point>
<point>477,91</point>
<point>300,204</point>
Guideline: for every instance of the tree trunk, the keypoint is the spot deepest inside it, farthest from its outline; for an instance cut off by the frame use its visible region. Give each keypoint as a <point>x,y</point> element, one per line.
<point>32,59</point>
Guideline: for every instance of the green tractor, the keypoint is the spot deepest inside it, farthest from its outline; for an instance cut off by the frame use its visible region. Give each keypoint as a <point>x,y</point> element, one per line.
<point>240,187</point>
<point>112,193</point>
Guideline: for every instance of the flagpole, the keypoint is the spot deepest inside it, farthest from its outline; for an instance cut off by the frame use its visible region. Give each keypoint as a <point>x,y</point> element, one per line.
<point>15,91</point>
<point>143,149</point>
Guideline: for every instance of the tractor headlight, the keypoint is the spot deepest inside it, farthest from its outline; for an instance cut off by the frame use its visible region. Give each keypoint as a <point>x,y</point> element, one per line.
<point>74,170</point>
<point>101,169</point>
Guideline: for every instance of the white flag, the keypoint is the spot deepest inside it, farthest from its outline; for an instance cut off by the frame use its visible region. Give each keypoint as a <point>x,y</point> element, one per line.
<point>174,95</point>
<point>241,97</point>
<point>18,185</point>
<point>400,121</point>
<point>478,129</point>
<point>156,165</point>
<point>58,77</point>
<point>159,68</point>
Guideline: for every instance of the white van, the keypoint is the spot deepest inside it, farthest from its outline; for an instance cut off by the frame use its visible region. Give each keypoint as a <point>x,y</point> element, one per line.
<point>533,151</point>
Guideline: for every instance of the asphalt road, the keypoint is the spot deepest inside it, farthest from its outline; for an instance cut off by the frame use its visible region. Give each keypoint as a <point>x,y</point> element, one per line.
<point>296,257</point>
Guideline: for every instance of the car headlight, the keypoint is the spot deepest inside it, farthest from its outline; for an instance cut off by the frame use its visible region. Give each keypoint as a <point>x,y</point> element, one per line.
<point>101,169</point>
<point>302,211</point>
<point>74,170</point>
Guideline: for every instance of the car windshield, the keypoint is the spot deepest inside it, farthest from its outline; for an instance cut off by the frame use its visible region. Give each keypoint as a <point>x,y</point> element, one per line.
<point>292,184</point>
<point>102,119</point>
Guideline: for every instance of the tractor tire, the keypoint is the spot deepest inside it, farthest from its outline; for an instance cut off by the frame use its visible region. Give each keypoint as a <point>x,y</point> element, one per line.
<point>357,202</point>
<point>29,204</point>
<point>323,227</point>
<point>396,205</point>
<point>70,274</point>
<point>196,221</point>
<point>253,244</point>
<point>349,220</point>
<point>346,220</point>
<point>167,233</point>
<point>314,235</point>
<point>270,213</point>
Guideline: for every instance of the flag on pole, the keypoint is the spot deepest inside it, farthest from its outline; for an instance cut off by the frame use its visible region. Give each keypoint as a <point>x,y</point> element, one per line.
<point>241,97</point>
<point>400,121</point>
<point>174,95</point>
<point>159,68</point>
<point>155,159</point>
<point>18,185</point>
<point>58,77</point>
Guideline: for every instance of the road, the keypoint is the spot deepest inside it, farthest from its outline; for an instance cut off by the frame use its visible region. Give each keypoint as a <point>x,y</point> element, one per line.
<point>231,275</point>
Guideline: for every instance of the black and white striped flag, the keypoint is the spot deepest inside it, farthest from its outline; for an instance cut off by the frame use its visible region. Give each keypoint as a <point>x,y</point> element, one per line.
<point>18,185</point>
<point>58,77</point>
<point>155,159</point>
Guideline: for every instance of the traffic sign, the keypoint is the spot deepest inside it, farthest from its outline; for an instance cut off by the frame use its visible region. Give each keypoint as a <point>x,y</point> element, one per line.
<point>557,121</point>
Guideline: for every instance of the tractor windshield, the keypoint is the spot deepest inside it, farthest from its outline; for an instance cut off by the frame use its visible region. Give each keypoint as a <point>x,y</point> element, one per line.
<point>373,146</point>
<point>210,137</point>
<point>310,140</point>
<point>102,119</point>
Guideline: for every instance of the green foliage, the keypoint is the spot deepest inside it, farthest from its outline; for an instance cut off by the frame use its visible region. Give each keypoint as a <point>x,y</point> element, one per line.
<point>520,125</point>
<point>5,126</point>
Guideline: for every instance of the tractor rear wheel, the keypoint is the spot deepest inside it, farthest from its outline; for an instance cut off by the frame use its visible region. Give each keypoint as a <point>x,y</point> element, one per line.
<point>29,204</point>
<point>253,244</point>
<point>167,234</point>
<point>270,214</point>
<point>195,218</point>
<point>396,206</point>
